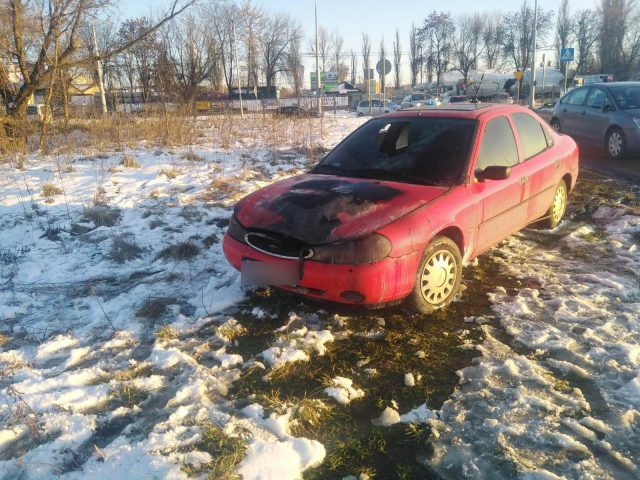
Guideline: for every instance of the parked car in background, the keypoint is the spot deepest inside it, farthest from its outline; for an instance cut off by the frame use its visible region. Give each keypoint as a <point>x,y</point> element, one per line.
<point>500,97</point>
<point>604,114</point>
<point>546,111</point>
<point>458,99</point>
<point>36,113</point>
<point>296,110</point>
<point>416,100</point>
<point>395,210</point>
<point>377,107</point>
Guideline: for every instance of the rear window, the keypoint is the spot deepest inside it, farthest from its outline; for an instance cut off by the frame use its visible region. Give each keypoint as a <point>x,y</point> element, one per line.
<point>422,150</point>
<point>531,133</point>
<point>364,103</point>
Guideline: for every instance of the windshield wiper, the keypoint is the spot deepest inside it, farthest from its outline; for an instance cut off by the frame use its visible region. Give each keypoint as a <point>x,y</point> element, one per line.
<point>330,169</point>
<point>382,174</point>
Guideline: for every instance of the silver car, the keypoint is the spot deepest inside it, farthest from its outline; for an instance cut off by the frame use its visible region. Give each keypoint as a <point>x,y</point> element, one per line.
<point>605,114</point>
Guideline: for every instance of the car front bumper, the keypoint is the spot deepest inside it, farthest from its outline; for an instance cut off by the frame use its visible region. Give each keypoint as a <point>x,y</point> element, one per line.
<point>385,281</point>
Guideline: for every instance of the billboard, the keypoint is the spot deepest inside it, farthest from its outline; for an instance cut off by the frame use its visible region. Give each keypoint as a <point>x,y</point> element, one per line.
<point>328,80</point>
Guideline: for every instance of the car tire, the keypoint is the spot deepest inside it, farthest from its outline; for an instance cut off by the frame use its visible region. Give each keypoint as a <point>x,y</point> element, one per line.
<point>558,207</point>
<point>555,124</point>
<point>438,276</point>
<point>615,143</point>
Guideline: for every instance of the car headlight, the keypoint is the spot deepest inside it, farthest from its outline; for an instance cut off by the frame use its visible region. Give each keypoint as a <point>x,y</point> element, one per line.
<point>235,230</point>
<point>636,122</point>
<point>365,250</point>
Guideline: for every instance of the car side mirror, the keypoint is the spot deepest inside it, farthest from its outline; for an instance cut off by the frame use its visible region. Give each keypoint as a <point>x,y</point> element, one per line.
<point>494,172</point>
<point>607,108</point>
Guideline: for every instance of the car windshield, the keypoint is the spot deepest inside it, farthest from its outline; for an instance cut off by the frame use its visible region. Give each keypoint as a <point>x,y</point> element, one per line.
<point>627,97</point>
<point>421,150</point>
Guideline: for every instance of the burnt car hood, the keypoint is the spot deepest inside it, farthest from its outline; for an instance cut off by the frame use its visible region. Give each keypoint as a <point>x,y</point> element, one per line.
<point>319,209</point>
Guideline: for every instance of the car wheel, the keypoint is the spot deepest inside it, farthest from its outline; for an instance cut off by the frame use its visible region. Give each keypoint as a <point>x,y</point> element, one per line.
<point>438,276</point>
<point>616,145</point>
<point>555,124</point>
<point>558,207</point>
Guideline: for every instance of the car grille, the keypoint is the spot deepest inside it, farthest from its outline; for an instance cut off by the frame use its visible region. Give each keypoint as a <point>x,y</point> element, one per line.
<point>279,245</point>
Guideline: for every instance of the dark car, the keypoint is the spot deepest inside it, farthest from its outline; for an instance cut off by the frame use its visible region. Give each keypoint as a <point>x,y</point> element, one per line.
<point>296,110</point>
<point>603,114</point>
<point>396,209</point>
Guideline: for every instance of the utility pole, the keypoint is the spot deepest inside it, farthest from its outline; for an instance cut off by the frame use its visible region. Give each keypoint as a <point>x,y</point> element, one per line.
<point>103,97</point>
<point>318,96</point>
<point>532,90</point>
<point>235,50</point>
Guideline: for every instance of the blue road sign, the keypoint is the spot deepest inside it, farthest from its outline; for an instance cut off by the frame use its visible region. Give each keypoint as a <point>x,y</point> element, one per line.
<point>566,54</point>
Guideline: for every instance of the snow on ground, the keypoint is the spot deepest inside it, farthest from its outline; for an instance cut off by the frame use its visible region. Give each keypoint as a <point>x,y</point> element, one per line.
<point>556,391</point>
<point>116,327</point>
<point>126,243</point>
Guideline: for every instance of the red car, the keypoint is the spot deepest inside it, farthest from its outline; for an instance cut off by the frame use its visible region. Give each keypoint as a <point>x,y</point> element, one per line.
<point>395,210</point>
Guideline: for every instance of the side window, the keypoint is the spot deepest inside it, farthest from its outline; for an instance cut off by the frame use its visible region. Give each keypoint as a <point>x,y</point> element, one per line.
<point>577,98</point>
<point>364,103</point>
<point>498,147</point>
<point>531,134</point>
<point>376,103</point>
<point>596,98</point>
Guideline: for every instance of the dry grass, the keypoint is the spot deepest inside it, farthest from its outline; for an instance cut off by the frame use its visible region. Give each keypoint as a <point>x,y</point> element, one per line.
<point>124,248</point>
<point>166,332</point>
<point>180,251</point>
<point>227,452</point>
<point>129,162</point>
<point>171,173</point>
<point>102,215</point>
<point>50,190</point>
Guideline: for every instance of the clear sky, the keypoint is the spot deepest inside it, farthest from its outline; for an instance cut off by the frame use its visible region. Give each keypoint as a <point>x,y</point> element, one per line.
<point>376,17</point>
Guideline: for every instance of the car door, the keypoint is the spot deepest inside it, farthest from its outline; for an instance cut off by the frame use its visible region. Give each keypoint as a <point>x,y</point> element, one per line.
<point>504,202</point>
<point>571,111</point>
<point>542,163</point>
<point>596,115</point>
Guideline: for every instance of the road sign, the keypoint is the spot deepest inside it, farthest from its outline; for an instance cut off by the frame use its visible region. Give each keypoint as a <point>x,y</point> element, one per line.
<point>518,74</point>
<point>387,67</point>
<point>567,54</point>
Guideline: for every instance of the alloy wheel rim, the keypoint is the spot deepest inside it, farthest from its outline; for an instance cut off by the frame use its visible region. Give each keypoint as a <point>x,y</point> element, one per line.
<point>438,277</point>
<point>559,204</point>
<point>615,143</point>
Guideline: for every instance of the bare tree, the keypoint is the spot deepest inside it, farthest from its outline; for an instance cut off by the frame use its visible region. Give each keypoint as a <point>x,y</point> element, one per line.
<point>223,19</point>
<point>518,34</point>
<point>60,23</point>
<point>619,37</point>
<point>493,39</point>
<point>253,24</point>
<point>366,57</point>
<point>437,31</point>
<point>354,66</point>
<point>382,60</point>
<point>564,28</point>
<point>586,26</point>
<point>139,60</point>
<point>192,49</point>
<point>467,44</point>
<point>294,64</point>
<point>397,55</point>
<point>274,41</point>
<point>338,65</point>
<point>324,47</point>
<point>414,54</point>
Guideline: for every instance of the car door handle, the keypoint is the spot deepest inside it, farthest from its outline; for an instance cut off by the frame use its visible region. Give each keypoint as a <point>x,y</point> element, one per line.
<point>523,180</point>
<point>584,112</point>
<point>564,110</point>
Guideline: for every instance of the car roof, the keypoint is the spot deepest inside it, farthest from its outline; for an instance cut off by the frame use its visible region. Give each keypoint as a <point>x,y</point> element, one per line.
<point>457,110</point>
<point>613,84</point>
